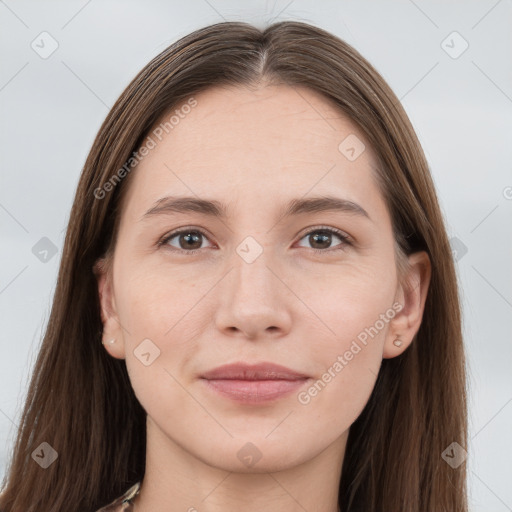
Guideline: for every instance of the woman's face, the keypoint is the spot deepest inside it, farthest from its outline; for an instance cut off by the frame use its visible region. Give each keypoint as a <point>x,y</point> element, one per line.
<point>266,283</point>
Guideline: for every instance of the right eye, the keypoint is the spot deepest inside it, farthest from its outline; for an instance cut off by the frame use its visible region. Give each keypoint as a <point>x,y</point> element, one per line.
<point>188,241</point>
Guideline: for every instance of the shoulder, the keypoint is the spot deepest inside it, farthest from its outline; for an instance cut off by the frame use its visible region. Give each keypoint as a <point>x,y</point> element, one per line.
<point>123,503</point>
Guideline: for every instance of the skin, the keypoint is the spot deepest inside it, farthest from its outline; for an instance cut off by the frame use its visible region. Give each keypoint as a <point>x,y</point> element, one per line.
<point>254,150</point>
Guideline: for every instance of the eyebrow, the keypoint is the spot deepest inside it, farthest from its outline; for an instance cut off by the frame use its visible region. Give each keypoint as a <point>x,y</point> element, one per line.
<point>181,204</point>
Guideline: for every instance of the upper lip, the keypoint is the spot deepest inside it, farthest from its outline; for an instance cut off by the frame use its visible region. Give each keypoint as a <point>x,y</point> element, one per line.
<point>260,371</point>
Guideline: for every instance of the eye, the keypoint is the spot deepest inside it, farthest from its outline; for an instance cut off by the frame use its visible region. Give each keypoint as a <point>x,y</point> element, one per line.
<point>321,239</point>
<point>188,240</point>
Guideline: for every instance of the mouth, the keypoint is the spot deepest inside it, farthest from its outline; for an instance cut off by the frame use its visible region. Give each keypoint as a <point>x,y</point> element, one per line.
<point>253,384</point>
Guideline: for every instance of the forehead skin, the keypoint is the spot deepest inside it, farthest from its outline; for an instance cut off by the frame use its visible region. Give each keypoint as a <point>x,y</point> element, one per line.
<point>250,147</point>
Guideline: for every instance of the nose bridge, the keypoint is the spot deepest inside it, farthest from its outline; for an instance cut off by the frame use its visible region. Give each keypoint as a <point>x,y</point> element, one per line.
<point>251,280</point>
<point>252,296</point>
<point>251,267</point>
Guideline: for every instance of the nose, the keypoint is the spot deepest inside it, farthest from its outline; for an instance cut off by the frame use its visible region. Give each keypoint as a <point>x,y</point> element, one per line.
<point>254,301</point>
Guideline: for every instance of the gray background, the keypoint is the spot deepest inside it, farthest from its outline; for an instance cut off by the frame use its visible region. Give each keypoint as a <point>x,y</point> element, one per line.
<point>460,105</point>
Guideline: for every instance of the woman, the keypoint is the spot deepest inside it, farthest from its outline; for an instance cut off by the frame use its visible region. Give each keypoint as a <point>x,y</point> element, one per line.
<point>257,306</point>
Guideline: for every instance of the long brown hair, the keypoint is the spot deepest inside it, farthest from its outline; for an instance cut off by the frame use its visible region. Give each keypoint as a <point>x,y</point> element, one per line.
<point>80,400</point>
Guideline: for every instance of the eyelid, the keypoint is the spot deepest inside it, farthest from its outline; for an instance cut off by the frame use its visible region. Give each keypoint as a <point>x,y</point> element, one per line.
<point>345,238</point>
<point>338,232</point>
<point>163,241</point>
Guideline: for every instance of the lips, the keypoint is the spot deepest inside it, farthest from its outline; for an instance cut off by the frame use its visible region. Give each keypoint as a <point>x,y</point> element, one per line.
<point>262,371</point>
<point>256,383</point>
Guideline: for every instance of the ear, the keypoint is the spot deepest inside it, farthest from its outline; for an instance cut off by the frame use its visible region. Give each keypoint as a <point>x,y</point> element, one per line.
<point>112,337</point>
<point>411,296</point>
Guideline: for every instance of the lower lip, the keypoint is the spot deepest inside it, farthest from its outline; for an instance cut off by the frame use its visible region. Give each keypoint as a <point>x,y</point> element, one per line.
<point>254,391</point>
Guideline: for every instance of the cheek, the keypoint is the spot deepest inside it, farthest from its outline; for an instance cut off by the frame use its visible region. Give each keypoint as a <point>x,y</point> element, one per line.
<point>338,395</point>
<point>154,302</point>
<point>346,363</point>
<point>348,299</point>
<point>353,310</point>
<point>165,307</point>
<point>161,322</point>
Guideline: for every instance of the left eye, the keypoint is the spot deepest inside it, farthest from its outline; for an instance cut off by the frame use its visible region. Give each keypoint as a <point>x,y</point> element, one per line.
<point>322,236</point>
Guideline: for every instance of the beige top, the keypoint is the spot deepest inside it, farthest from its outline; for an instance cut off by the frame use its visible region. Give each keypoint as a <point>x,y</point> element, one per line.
<point>123,503</point>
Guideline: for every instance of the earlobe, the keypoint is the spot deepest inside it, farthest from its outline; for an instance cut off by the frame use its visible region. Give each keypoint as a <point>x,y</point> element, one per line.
<point>395,346</point>
<point>412,296</point>
<point>398,342</point>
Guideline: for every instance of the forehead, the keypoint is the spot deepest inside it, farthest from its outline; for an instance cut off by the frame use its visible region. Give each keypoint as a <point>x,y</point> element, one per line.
<point>242,144</point>
<point>259,119</point>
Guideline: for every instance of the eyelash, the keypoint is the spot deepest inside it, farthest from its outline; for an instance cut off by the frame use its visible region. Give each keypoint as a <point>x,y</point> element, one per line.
<point>345,239</point>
